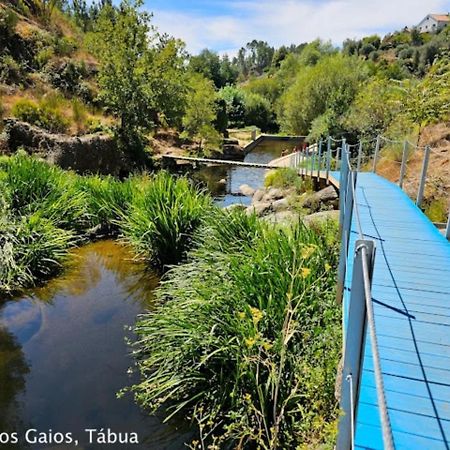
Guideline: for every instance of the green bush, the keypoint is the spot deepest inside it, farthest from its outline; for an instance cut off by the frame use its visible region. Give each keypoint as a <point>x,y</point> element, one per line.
<point>284,179</point>
<point>245,337</point>
<point>8,22</point>
<point>11,71</point>
<point>43,115</point>
<point>162,219</point>
<point>437,210</point>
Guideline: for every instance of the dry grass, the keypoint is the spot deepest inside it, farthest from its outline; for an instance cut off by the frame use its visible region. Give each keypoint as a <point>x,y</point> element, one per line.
<point>438,176</point>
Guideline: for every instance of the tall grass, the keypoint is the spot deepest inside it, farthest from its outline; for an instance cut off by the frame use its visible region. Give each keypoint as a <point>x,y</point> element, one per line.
<point>245,337</point>
<point>45,210</point>
<point>162,218</point>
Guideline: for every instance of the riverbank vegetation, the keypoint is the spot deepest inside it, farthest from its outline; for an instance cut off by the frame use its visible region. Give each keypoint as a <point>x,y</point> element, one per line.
<point>45,211</point>
<point>244,337</point>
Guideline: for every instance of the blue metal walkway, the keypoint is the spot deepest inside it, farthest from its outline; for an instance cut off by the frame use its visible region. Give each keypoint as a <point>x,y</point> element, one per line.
<point>411,297</point>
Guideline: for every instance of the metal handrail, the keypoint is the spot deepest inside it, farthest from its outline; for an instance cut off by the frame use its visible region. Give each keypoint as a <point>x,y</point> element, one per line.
<point>384,415</point>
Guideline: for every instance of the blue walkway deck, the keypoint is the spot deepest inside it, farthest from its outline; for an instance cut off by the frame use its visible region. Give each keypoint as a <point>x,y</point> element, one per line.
<point>411,294</point>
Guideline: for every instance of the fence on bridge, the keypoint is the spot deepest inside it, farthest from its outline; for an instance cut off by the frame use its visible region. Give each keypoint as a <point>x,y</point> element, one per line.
<point>320,159</point>
<point>335,158</point>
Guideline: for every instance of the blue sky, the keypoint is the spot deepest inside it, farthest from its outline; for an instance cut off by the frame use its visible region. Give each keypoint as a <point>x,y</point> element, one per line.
<point>226,25</point>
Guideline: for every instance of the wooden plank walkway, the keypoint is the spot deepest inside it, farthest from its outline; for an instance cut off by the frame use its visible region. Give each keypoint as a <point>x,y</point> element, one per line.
<point>411,295</point>
<point>224,162</point>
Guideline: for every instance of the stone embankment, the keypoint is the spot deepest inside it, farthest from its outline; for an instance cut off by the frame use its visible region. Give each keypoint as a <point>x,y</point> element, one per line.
<point>91,153</point>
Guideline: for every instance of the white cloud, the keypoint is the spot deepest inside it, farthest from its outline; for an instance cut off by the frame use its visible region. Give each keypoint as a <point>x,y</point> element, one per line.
<point>293,21</point>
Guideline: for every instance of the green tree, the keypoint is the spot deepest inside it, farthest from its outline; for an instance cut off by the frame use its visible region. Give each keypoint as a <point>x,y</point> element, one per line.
<point>140,76</point>
<point>374,108</point>
<point>329,88</point>
<point>201,113</point>
<point>207,63</point>
<point>235,105</point>
<point>258,111</point>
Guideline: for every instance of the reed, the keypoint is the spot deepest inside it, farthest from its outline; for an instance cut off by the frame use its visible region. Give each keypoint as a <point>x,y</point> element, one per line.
<point>245,337</point>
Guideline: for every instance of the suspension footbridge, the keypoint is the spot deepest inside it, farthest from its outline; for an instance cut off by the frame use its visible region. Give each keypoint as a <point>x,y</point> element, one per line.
<point>394,285</point>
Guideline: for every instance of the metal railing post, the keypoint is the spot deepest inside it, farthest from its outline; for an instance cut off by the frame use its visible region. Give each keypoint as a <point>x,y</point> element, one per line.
<point>423,176</point>
<point>447,229</point>
<point>347,215</point>
<point>375,156</point>
<point>328,159</point>
<point>403,166</point>
<point>354,342</point>
<point>313,161</point>
<point>358,166</point>
<point>319,160</point>
<point>343,189</point>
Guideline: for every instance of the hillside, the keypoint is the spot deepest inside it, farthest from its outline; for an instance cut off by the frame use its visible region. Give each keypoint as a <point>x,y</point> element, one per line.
<point>68,69</point>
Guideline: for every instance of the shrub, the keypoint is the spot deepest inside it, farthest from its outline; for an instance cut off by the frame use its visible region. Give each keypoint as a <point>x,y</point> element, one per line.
<point>8,22</point>
<point>162,219</point>
<point>65,46</point>
<point>79,114</point>
<point>284,178</point>
<point>245,337</point>
<point>43,115</point>
<point>437,210</point>
<point>11,71</point>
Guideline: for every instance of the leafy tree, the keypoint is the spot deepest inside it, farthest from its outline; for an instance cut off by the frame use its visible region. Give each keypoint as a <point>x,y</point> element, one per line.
<point>258,111</point>
<point>207,63</point>
<point>139,76</point>
<point>328,87</point>
<point>429,100</point>
<point>374,108</point>
<point>254,58</point>
<point>235,105</point>
<point>200,115</point>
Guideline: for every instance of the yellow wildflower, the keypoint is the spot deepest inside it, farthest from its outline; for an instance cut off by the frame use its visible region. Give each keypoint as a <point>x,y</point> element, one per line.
<point>267,345</point>
<point>308,251</point>
<point>241,315</point>
<point>250,342</point>
<point>327,267</point>
<point>306,272</point>
<point>256,314</point>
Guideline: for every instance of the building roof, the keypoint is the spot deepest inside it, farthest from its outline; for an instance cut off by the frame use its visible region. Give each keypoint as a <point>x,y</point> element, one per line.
<point>441,17</point>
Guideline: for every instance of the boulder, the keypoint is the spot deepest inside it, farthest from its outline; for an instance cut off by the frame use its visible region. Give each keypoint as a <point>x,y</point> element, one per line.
<point>259,208</point>
<point>320,217</point>
<point>246,190</point>
<point>280,205</point>
<point>258,195</point>
<point>273,194</point>
<point>282,217</point>
<point>328,194</point>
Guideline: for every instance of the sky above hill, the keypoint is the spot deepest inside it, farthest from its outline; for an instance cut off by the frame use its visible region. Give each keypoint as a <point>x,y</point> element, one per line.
<point>226,25</point>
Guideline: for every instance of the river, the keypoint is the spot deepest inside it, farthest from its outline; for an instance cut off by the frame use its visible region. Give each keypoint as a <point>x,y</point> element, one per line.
<point>63,355</point>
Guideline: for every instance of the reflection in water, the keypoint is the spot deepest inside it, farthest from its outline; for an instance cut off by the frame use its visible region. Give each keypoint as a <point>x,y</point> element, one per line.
<point>228,193</point>
<point>63,355</point>
<point>13,369</point>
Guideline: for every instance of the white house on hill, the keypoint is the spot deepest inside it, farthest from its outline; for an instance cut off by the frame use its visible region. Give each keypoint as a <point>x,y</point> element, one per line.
<point>433,22</point>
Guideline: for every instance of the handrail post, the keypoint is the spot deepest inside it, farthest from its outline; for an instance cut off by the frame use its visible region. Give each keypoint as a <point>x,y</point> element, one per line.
<point>346,201</point>
<point>343,189</point>
<point>358,166</point>
<point>375,156</point>
<point>447,229</point>
<point>328,159</point>
<point>313,161</point>
<point>355,324</point>
<point>320,160</point>
<point>423,176</point>
<point>403,166</point>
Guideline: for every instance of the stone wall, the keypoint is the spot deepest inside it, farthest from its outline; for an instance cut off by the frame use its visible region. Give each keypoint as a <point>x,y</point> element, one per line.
<point>93,153</point>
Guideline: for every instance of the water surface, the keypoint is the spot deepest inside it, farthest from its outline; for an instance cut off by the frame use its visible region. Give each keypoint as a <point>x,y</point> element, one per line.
<point>63,355</point>
<point>224,181</point>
